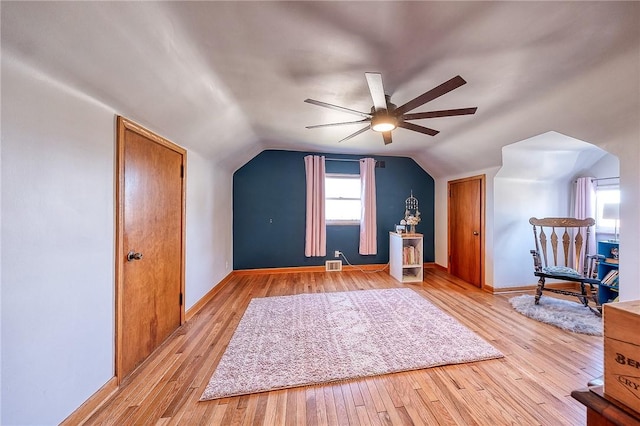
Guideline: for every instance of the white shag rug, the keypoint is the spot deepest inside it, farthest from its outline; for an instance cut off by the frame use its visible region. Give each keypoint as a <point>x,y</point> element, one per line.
<point>288,341</point>
<point>565,314</point>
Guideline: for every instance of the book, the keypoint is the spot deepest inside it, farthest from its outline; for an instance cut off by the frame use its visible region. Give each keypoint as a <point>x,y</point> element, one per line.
<point>410,255</point>
<point>615,282</point>
<point>610,277</point>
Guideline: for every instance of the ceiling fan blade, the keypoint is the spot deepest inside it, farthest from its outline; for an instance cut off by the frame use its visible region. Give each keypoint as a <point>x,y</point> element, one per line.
<point>337,108</point>
<point>374,80</point>
<point>436,114</point>
<point>436,92</point>
<point>387,137</point>
<point>416,128</point>
<point>338,124</point>
<point>355,134</point>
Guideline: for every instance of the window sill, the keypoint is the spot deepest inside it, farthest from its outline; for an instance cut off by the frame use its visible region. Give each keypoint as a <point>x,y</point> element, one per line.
<point>343,223</point>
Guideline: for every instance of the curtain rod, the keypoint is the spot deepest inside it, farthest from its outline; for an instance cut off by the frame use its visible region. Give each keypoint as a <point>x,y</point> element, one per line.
<point>379,164</point>
<point>597,179</point>
<point>341,159</point>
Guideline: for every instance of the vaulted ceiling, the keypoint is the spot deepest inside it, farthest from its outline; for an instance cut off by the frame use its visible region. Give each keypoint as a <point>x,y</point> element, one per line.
<point>228,79</point>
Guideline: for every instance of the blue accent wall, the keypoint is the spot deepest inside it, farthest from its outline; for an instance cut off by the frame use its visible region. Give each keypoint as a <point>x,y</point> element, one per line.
<point>269,210</point>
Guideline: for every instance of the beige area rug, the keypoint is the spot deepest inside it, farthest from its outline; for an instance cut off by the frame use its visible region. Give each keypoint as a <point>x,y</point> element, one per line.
<point>289,341</point>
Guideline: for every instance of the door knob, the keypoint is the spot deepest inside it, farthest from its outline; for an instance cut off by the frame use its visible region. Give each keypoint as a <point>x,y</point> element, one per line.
<point>133,256</point>
<point>476,233</point>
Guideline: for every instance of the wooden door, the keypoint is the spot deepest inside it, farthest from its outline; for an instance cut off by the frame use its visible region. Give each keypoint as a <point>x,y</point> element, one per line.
<point>150,248</point>
<point>466,229</point>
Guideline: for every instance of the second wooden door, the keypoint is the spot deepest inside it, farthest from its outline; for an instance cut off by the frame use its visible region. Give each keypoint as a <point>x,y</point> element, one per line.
<point>466,229</point>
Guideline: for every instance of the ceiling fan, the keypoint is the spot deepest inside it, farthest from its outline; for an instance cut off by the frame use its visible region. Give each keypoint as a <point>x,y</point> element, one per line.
<point>385,116</point>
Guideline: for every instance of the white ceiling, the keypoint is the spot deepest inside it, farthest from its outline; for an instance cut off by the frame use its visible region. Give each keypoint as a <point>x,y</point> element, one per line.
<point>228,79</point>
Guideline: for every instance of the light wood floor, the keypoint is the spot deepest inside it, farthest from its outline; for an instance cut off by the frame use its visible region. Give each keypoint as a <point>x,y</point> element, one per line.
<point>530,385</point>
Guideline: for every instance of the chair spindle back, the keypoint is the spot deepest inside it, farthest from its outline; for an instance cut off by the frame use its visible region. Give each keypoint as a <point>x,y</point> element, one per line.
<point>570,229</point>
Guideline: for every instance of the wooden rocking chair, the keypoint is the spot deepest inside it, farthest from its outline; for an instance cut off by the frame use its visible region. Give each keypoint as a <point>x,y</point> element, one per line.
<point>546,232</point>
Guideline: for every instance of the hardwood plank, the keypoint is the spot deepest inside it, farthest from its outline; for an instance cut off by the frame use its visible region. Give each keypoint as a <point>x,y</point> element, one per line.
<point>250,410</point>
<point>358,400</point>
<point>311,407</point>
<point>415,408</point>
<point>363,416</point>
<point>270,410</point>
<point>332,414</point>
<point>291,412</point>
<point>369,389</point>
<point>390,413</point>
<point>321,406</point>
<point>531,385</point>
<point>261,408</point>
<point>280,407</point>
<point>340,404</point>
<point>301,410</point>
<point>350,405</point>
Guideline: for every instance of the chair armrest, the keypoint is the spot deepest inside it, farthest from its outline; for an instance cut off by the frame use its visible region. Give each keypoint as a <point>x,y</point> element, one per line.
<point>537,264</point>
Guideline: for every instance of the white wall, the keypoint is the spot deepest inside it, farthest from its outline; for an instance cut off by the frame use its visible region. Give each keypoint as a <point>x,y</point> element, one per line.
<point>629,155</point>
<point>209,232</point>
<point>516,201</point>
<point>608,166</point>
<point>58,244</point>
<point>58,248</point>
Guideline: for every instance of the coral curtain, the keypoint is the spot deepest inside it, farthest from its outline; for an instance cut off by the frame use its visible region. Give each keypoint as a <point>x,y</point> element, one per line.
<point>315,243</point>
<point>585,207</point>
<point>368,227</point>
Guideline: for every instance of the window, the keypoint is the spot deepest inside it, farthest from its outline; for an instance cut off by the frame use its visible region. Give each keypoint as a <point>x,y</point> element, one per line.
<point>342,199</point>
<point>606,195</point>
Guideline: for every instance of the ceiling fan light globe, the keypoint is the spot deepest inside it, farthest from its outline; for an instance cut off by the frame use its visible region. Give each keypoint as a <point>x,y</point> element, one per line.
<point>383,127</point>
<point>383,123</point>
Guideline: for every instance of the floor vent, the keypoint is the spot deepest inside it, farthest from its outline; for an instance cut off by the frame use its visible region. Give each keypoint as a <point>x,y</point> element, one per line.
<point>333,265</point>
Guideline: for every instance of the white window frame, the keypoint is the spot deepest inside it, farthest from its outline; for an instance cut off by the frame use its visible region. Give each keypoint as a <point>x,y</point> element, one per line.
<point>329,221</point>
